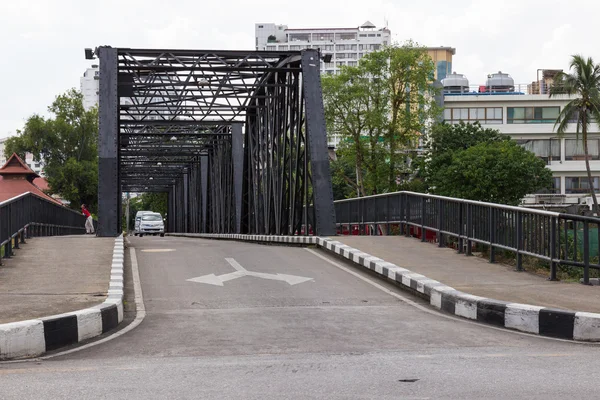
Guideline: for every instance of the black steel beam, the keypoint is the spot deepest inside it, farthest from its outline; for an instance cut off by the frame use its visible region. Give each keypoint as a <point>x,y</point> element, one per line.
<point>109,195</point>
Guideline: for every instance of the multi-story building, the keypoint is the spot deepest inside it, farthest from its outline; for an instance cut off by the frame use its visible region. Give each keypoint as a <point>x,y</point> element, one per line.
<point>345,45</point>
<point>442,60</point>
<point>90,87</point>
<point>529,119</point>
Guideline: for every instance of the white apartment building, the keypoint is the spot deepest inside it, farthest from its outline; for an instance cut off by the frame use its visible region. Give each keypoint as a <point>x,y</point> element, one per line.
<point>90,87</point>
<point>345,45</point>
<point>529,119</point>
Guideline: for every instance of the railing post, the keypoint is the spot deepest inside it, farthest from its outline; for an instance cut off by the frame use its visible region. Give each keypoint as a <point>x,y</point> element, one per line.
<point>469,252</point>
<point>461,226</point>
<point>553,230</point>
<point>519,241</point>
<point>423,205</point>
<point>440,222</point>
<point>387,215</point>
<point>407,214</point>
<point>401,208</point>
<point>492,235</point>
<point>586,252</point>
<point>17,239</point>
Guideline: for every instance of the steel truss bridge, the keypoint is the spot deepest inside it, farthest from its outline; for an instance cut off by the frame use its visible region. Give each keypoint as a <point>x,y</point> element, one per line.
<point>236,138</point>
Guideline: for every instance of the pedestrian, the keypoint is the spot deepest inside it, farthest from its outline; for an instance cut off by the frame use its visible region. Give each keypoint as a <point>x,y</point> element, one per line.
<point>89,221</point>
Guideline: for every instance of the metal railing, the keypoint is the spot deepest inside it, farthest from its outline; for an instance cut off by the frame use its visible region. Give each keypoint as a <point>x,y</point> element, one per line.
<point>29,215</point>
<point>559,239</point>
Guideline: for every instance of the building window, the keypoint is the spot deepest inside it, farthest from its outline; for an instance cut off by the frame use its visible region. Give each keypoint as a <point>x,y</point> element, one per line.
<point>271,48</point>
<point>490,115</point>
<point>296,47</point>
<point>260,26</point>
<point>532,115</point>
<point>323,36</point>
<point>345,47</point>
<point>300,37</point>
<point>546,149</point>
<point>283,47</point>
<point>352,63</point>
<point>574,150</point>
<point>363,35</point>
<point>340,63</point>
<point>345,36</point>
<point>555,185</point>
<point>579,184</point>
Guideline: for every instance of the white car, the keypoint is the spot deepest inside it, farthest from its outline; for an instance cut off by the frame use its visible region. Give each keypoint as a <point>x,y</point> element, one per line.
<point>138,219</point>
<point>151,224</point>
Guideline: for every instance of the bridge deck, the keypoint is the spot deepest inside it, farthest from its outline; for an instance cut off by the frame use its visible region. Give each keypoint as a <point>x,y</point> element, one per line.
<point>54,275</point>
<point>475,275</point>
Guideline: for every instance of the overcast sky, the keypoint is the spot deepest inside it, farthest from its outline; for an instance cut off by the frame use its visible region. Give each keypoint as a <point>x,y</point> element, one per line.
<point>42,41</point>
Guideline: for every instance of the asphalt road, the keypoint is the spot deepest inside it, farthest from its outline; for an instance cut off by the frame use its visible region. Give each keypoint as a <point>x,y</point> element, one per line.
<point>333,336</point>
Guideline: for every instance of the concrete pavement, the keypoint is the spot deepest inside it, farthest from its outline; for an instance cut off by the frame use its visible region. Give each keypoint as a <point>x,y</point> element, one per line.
<point>476,275</point>
<point>54,275</point>
<point>333,337</point>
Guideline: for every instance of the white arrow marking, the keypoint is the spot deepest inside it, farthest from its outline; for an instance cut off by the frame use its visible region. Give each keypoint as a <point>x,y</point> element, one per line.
<point>218,280</point>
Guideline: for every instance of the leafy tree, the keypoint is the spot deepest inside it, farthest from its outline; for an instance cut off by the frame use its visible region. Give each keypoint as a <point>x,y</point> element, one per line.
<point>501,172</point>
<point>584,83</point>
<point>67,144</point>
<point>378,108</point>
<point>468,161</point>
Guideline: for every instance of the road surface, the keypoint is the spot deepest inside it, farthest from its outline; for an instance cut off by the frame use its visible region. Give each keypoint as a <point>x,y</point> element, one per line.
<point>299,326</point>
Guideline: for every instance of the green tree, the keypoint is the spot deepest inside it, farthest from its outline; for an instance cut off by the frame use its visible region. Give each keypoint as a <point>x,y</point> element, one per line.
<point>67,144</point>
<point>584,83</point>
<point>501,172</point>
<point>468,161</point>
<point>378,108</point>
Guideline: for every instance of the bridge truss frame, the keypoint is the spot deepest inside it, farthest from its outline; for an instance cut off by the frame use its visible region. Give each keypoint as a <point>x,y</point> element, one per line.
<point>236,138</point>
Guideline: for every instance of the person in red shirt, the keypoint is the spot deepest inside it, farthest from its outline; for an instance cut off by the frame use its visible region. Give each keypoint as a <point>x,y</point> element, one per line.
<point>89,221</point>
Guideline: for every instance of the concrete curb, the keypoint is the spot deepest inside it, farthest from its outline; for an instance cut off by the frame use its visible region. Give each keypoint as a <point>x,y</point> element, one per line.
<point>563,324</point>
<point>34,337</point>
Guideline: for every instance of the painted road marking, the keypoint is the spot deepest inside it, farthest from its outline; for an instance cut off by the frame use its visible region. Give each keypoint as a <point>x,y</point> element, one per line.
<point>218,280</point>
<point>157,250</point>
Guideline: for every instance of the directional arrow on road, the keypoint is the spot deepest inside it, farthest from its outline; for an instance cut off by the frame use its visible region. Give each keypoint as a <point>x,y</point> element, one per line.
<point>240,271</point>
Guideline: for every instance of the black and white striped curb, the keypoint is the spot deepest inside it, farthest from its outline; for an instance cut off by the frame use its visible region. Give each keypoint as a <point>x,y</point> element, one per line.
<point>543,321</point>
<point>34,337</point>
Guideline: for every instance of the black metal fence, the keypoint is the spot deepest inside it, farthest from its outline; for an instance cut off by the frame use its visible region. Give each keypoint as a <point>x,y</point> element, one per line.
<point>28,215</point>
<point>559,239</point>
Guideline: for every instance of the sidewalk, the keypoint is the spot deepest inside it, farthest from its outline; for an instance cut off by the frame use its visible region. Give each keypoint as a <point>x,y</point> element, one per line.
<point>475,275</point>
<point>55,275</point>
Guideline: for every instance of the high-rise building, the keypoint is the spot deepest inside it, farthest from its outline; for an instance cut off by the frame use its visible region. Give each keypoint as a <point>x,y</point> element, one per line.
<point>90,86</point>
<point>345,45</point>
<point>442,59</point>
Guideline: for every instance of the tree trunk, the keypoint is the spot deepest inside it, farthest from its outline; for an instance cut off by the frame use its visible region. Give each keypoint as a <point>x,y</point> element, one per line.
<point>587,167</point>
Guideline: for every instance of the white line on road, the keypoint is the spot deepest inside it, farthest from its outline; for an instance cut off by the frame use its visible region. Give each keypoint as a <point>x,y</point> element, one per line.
<point>217,280</point>
<point>432,312</point>
<point>235,264</point>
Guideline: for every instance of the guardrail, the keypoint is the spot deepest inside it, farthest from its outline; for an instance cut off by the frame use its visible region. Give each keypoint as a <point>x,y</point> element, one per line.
<point>559,239</point>
<point>29,215</point>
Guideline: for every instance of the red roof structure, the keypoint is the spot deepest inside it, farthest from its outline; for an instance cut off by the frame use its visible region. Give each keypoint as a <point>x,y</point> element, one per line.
<point>17,178</point>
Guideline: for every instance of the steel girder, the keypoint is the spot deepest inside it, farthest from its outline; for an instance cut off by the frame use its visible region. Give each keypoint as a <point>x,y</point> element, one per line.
<point>236,138</point>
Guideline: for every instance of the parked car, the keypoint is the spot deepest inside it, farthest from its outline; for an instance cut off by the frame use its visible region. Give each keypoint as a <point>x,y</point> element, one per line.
<point>138,219</point>
<point>151,224</point>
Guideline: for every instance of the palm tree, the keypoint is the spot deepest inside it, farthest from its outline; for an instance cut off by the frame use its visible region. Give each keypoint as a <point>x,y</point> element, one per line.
<point>584,84</point>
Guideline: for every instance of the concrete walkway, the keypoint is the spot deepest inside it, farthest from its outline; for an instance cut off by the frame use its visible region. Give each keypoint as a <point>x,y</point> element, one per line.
<point>54,275</point>
<point>475,275</point>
